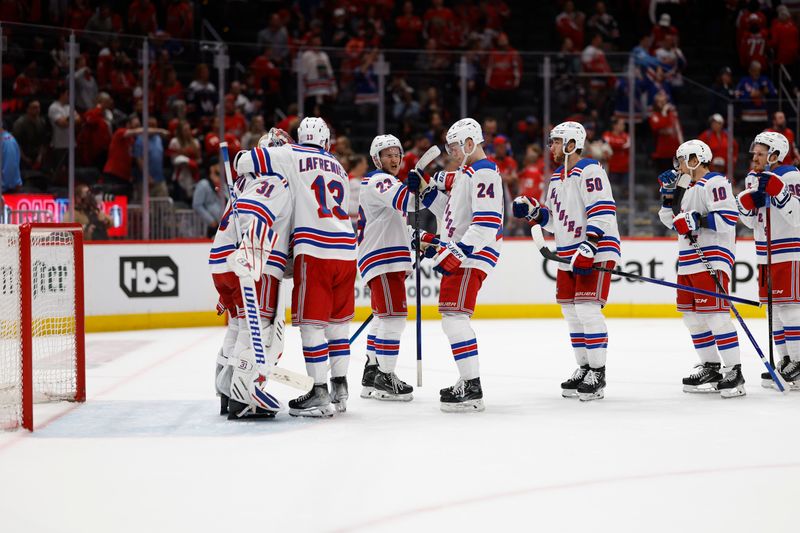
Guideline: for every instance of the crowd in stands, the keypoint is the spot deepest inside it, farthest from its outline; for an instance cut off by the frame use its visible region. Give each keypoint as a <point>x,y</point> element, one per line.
<point>338,48</point>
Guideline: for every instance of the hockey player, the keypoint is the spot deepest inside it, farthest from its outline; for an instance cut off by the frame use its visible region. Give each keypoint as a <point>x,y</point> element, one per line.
<point>324,248</point>
<point>708,214</point>
<point>580,211</point>
<point>470,203</point>
<point>769,177</point>
<point>384,260</point>
<point>263,209</point>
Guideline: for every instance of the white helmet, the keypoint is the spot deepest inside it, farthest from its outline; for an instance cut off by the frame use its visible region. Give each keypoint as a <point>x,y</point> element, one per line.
<point>381,142</point>
<point>694,147</point>
<point>274,137</point>
<point>775,142</point>
<point>466,128</point>
<point>314,131</point>
<point>570,131</point>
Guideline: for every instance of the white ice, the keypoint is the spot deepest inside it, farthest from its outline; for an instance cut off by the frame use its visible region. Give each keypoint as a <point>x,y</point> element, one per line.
<point>148,452</point>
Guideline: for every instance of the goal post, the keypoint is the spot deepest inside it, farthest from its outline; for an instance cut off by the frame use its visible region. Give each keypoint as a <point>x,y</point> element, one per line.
<point>42,346</point>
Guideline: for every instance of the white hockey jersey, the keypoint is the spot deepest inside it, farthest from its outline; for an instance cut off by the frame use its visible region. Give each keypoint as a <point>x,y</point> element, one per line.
<point>321,193</point>
<point>712,197</point>
<point>265,202</point>
<point>472,213</point>
<point>383,237</point>
<point>579,206</point>
<point>784,221</point>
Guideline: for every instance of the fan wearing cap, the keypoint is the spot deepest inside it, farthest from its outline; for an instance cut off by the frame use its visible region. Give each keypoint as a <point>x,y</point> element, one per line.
<point>716,137</point>
<point>580,211</point>
<point>707,213</point>
<point>779,184</point>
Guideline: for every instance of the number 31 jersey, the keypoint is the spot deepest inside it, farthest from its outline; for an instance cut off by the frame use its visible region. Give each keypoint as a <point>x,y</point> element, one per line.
<point>320,189</point>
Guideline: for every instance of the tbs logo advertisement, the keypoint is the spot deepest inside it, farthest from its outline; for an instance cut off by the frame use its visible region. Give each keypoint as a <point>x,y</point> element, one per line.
<point>148,277</point>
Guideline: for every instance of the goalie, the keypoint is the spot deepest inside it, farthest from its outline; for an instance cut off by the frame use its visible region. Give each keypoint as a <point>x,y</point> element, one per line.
<point>263,208</point>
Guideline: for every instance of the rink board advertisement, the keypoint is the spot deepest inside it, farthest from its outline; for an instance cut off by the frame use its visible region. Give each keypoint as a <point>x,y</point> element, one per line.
<point>168,284</point>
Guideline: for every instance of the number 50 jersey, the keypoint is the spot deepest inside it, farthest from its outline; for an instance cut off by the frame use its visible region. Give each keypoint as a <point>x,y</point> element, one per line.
<point>319,186</point>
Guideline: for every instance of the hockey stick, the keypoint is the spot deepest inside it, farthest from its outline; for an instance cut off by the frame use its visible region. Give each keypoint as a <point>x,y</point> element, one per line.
<point>247,286</point>
<point>361,328</point>
<point>538,239</point>
<point>768,233</point>
<point>680,190</point>
<point>426,159</point>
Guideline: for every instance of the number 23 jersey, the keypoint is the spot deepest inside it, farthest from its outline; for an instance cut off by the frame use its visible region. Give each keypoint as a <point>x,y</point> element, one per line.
<point>319,185</point>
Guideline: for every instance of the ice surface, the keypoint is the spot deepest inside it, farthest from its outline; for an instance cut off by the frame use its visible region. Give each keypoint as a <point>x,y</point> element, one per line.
<point>148,452</point>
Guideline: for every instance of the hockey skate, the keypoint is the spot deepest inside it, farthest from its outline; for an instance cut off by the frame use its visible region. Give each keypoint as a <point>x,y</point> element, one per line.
<point>241,411</point>
<point>767,381</point>
<point>593,385</point>
<point>464,396</point>
<point>705,378</point>
<point>569,388</point>
<point>732,384</point>
<point>368,380</point>
<point>339,393</point>
<point>791,374</point>
<point>315,403</point>
<point>389,387</point>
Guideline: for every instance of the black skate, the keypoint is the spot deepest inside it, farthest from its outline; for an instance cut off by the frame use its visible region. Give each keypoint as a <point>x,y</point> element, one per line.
<point>368,380</point>
<point>569,389</point>
<point>339,393</point>
<point>314,403</point>
<point>465,395</point>
<point>390,388</point>
<point>791,374</point>
<point>705,378</point>
<point>593,385</point>
<point>242,411</point>
<point>767,381</point>
<point>732,384</point>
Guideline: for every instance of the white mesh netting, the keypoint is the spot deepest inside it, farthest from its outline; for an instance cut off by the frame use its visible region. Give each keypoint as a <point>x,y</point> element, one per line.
<point>53,327</point>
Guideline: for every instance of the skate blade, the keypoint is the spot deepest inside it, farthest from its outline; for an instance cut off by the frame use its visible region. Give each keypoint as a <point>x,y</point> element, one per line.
<point>321,411</point>
<point>389,397</point>
<point>366,392</point>
<point>769,384</point>
<point>701,389</point>
<point>569,393</point>
<point>589,396</point>
<point>251,415</point>
<point>340,406</point>
<point>732,393</point>
<point>463,407</point>
<point>793,385</point>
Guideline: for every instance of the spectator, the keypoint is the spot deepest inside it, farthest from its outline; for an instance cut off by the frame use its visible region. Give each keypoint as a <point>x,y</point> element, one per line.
<point>405,106</point>
<point>207,200</point>
<point>211,142</point>
<point>506,165</point>
<point>276,38</point>
<point>167,90</point>
<point>122,80</point>
<point>85,86</point>
<point>655,82</point>
<point>604,23</point>
<point>357,169</point>
<point>30,131</point>
<point>201,96</point>
<point>102,24</point>
<point>503,72</point>
<point>529,131</point>
<point>254,133</point>
<point>184,151</point>
<point>410,158</point>
<point>642,57</point>
<point>342,150</point>
<point>241,102</point>
<point>779,126</point>
<point>566,67</point>
<point>318,78</point>
<point>753,44</point>
<point>180,19</point>
<point>438,19</point>
<point>570,24</point>
<point>620,143</point>
<point>142,17</point>
<point>366,81</point>
<point>88,214</point>
<point>672,61</point>
<point>78,15</point>
<point>489,133</point>
<point>594,61</point>
<point>408,28</point>
<point>531,178</point>
<point>95,135</point>
<point>661,30</point>
<point>12,180</point>
<point>724,91</point>
<point>340,32</point>
<point>119,165</point>
<point>717,139</point>
<point>784,39</point>
<point>155,162</point>
<point>59,113</point>
<point>235,123</point>
<point>745,18</point>
<point>666,128</point>
<point>27,83</point>
<point>752,92</point>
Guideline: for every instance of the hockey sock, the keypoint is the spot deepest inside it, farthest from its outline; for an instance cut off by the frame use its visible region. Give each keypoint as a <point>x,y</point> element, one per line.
<point>315,352</point>
<point>463,343</point>
<point>726,337</point>
<point>575,333</point>
<point>777,333</point>
<point>789,316</point>
<point>702,337</point>
<point>338,336</point>
<point>595,332</point>
<point>387,341</point>
<point>373,330</point>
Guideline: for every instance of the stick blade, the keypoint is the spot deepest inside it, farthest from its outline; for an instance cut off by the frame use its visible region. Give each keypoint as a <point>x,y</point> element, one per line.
<point>430,154</point>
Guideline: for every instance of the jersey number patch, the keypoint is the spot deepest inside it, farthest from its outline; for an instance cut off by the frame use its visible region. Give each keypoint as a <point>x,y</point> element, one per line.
<point>719,194</point>
<point>594,184</point>
<point>337,192</point>
<point>484,191</point>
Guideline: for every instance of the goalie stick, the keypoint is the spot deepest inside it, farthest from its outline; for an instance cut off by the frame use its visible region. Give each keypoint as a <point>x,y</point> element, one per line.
<point>266,356</point>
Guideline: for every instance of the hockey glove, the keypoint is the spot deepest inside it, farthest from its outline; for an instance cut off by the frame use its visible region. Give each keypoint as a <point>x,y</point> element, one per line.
<point>429,244</point>
<point>449,258</point>
<point>443,181</point>
<point>527,207</point>
<point>583,258</point>
<point>751,199</point>
<point>666,182</point>
<point>416,181</point>
<point>771,185</point>
<point>685,223</point>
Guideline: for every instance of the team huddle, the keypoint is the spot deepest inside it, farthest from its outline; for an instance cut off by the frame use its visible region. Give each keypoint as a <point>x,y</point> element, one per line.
<point>287,217</point>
